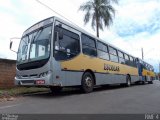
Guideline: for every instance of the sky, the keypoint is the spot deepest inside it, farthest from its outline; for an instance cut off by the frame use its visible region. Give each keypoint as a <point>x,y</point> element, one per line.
<point>136,24</point>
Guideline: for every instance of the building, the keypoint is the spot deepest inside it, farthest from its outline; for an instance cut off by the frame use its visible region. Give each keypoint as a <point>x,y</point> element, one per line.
<point>7,73</point>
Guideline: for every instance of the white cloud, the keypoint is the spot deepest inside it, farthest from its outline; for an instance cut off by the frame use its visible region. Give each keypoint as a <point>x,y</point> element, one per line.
<point>130,17</point>
<point>9,28</point>
<point>137,26</point>
<point>133,45</point>
<point>136,16</point>
<point>6,4</point>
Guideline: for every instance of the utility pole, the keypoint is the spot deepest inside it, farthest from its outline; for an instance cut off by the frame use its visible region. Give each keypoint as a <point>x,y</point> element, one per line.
<point>142,53</point>
<point>159,67</point>
<point>159,72</point>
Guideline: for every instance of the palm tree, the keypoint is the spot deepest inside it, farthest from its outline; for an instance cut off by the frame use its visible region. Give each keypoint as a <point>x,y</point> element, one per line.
<point>100,11</point>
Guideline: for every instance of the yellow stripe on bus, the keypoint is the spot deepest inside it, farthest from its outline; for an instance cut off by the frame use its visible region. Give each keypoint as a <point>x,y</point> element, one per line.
<point>84,62</point>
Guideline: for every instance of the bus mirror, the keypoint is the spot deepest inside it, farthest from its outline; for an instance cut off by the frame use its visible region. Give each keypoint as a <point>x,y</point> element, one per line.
<point>11,45</point>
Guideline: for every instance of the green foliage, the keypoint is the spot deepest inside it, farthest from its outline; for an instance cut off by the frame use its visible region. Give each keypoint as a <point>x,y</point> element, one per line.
<point>100,11</point>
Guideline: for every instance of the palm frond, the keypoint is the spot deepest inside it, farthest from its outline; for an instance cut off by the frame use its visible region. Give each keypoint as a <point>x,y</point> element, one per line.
<point>93,24</point>
<point>114,1</point>
<point>86,7</point>
<point>101,23</point>
<point>87,17</point>
<point>101,13</point>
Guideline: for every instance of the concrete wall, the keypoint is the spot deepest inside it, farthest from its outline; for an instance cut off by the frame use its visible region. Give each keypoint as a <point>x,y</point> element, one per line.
<point>7,73</point>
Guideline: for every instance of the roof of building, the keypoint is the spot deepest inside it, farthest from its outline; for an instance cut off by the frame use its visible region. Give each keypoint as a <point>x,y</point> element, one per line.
<point>7,60</point>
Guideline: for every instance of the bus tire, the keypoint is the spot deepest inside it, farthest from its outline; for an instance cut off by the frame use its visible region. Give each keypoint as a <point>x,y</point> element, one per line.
<point>144,81</point>
<point>150,82</point>
<point>128,81</point>
<point>56,89</point>
<point>87,82</point>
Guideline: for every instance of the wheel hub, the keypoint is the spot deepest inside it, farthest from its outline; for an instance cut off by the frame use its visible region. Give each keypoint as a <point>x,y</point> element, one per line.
<point>129,82</point>
<point>88,82</point>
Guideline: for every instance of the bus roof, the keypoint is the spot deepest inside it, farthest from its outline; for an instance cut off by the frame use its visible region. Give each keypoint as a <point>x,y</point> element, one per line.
<point>38,25</point>
<point>74,26</point>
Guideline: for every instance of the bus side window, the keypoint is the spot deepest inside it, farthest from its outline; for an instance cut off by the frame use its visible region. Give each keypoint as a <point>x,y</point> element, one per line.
<point>68,47</point>
<point>113,54</point>
<point>131,61</point>
<point>126,57</point>
<point>102,51</point>
<point>89,46</point>
<point>134,62</point>
<point>121,57</point>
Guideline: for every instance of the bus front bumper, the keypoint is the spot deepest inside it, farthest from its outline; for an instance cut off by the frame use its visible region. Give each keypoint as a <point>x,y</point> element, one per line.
<point>43,82</point>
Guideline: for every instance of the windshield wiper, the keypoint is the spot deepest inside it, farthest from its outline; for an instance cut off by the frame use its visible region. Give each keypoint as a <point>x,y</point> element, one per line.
<point>23,38</point>
<point>36,36</point>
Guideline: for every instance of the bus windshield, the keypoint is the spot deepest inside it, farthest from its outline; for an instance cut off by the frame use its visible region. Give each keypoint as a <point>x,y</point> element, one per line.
<point>35,46</point>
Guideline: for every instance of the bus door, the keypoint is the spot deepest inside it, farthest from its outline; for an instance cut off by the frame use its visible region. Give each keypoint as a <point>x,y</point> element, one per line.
<point>140,69</point>
<point>67,48</point>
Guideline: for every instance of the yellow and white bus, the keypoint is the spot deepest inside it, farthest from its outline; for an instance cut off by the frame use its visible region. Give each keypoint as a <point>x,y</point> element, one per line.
<point>56,54</point>
<point>148,72</point>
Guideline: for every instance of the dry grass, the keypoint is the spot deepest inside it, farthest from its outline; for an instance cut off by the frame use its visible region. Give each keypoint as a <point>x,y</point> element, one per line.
<point>12,93</point>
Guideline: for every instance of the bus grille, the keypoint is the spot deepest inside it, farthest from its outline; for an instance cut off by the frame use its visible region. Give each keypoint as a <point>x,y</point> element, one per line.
<point>27,81</point>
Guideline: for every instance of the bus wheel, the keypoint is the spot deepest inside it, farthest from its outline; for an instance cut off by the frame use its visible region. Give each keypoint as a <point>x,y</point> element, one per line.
<point>56,89</point>
<point>150,82</point>
<point>128,81</point>
<point>144,81</point>
<point>87,83</point>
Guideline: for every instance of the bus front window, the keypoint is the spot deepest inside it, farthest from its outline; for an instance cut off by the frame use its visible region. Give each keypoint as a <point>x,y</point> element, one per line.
<point>23,48</point>
<point>35,46</point>
<point>40,47</point>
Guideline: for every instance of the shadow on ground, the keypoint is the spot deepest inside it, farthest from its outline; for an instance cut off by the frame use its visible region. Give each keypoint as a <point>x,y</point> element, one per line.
<point>74,91</point>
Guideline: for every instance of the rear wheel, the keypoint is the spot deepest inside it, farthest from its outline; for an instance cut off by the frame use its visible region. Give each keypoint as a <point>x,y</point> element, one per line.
<point>150,82</point>
<point>56,89</point>
<point>137,82</point>
<point>143,82</point>
<point>128,81</point>
<point>87,83</point>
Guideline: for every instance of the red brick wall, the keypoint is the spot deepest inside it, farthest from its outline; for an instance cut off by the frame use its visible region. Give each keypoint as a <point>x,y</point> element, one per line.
<point>7,73</point>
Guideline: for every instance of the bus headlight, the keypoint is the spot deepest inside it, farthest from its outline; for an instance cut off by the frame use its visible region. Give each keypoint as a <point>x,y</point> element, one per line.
<point>18,76</point>
<point>44,74</point>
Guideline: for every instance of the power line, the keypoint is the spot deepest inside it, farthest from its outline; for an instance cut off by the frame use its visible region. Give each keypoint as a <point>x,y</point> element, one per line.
<point>55,12</point>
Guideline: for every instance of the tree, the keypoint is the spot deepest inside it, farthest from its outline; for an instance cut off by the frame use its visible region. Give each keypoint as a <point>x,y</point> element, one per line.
<point>101,12</point>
